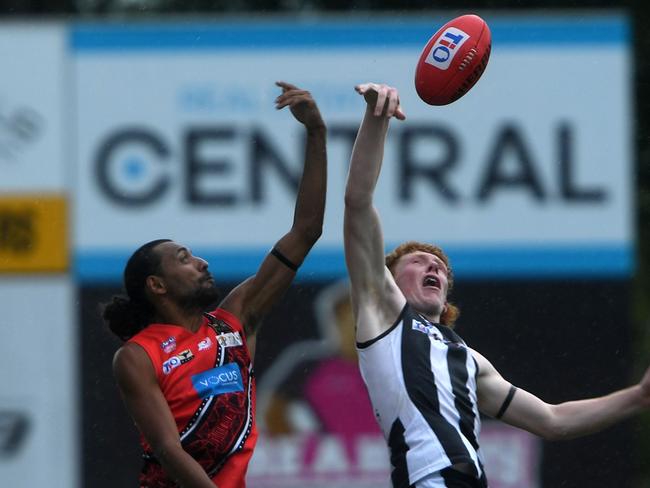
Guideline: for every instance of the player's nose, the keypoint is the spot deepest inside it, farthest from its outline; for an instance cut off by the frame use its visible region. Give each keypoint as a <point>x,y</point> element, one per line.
<point>201,263</point>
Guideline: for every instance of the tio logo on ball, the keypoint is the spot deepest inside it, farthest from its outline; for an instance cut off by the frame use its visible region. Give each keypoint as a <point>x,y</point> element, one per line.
<point>443,51</point>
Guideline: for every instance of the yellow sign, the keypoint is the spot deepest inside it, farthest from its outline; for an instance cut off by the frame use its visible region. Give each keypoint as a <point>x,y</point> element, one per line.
<point>33,233</point>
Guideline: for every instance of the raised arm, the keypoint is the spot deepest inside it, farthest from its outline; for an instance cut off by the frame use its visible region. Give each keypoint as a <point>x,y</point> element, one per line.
<point>376,300</point>
<point>253,299</point>
<point>149,409</point>
<point>556,422</point>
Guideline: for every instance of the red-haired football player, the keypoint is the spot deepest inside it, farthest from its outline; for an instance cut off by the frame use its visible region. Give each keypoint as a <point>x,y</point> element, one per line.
<point>426,385</point>
<point>185,371</point>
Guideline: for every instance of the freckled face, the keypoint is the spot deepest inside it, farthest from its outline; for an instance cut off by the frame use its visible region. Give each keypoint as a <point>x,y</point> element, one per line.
<point>423,279</point>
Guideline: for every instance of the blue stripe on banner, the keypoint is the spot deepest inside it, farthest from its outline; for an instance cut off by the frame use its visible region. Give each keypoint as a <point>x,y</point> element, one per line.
<point>378,34</point>
<point>468,263</point>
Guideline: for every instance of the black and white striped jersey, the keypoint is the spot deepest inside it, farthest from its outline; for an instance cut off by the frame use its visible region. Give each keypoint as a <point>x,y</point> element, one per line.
<point>421,378</point>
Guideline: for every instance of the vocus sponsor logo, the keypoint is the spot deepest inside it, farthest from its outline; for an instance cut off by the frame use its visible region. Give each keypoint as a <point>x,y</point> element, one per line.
<point>216,381</point>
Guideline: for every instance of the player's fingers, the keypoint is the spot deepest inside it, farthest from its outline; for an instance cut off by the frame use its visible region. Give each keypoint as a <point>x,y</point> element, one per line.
<point>399,113</point>
<point>286,86</point>
<point>393,101</point>
<point>364,88</point>
<point>382,93</point>
<point>291,92</point>
<point>293,97</point>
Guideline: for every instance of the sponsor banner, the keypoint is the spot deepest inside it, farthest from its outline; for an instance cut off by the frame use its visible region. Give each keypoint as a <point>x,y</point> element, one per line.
<point>526,172</point>
<point>39,418</point>
<point>33,129</point>
<point>315,460</point>
<point>33,233</point>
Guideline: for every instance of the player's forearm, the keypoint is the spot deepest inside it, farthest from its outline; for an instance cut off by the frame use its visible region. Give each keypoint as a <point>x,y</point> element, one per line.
<point>310,203</point>
<point>183,468</point>
<point>366,160</point>
<point>582,417</point>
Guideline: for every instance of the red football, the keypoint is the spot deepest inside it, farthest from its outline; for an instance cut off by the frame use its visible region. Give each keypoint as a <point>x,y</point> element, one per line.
<point>453,60</point>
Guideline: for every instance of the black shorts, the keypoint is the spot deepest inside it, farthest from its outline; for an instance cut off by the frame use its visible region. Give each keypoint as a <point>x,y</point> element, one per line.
<point>456,479</point>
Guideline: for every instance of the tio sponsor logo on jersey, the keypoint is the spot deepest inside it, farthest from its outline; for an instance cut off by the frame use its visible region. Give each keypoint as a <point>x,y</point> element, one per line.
<point>175,361</point>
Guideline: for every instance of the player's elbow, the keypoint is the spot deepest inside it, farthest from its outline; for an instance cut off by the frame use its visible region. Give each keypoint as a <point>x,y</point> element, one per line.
<point>355,199</point>
<point>552,428</point>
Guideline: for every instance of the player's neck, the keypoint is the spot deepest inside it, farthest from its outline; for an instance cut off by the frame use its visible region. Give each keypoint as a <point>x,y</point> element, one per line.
<point>429,317</point>
<point>190,320</point>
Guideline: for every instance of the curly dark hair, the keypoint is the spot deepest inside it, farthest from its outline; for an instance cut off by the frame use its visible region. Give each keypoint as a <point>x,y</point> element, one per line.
<point>128,315</point>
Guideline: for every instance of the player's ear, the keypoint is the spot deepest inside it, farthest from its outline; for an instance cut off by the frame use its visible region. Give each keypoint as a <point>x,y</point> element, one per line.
<point>156,285</point>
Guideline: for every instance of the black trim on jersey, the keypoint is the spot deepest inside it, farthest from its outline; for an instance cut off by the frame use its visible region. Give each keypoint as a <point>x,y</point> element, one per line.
<point>218,325</point>
<point>448,333</point>
<point>506,402</point>
<point>458,374</point>
<point>283,259</point>
<point>398,448</point>
<point>421,389</point>
<point>363,345</point>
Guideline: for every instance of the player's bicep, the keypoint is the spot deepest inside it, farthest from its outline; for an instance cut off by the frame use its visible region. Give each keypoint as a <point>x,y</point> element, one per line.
<point>499,399</point>
<point>143,398</point>
<point>376,298</point>
<point>494,393</point>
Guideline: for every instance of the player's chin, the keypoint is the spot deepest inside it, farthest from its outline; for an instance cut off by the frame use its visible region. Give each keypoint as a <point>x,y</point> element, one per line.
<point>208,295</point>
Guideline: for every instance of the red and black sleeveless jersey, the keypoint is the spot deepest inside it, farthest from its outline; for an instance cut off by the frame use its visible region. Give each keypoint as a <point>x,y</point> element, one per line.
<point>207,379</point>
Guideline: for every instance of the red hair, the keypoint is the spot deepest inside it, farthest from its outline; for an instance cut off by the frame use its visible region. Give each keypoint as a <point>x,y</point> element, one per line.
<point>451,311</point>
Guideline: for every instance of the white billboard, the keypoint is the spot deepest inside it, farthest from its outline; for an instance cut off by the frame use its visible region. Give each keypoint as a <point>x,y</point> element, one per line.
<point>32,123</point>
<point>38,402</point>
<point>528,174</point>
<point>39,421</point>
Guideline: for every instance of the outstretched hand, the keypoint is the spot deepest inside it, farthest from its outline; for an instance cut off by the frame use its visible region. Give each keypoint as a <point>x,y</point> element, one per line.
<point>383,99</point>
<point>302,105</point>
